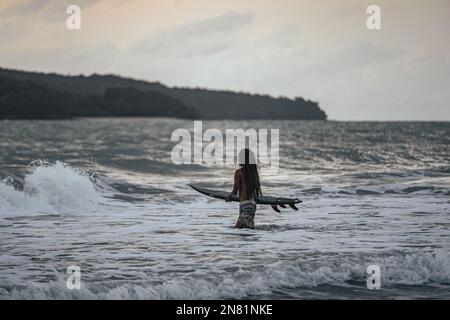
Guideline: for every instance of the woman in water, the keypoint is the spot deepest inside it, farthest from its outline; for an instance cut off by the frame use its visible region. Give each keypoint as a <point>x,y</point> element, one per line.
<point>246,182</point>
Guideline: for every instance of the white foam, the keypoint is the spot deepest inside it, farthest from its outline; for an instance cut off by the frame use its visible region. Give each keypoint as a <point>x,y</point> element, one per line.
<point>414,269</point>
<point>49,189</point>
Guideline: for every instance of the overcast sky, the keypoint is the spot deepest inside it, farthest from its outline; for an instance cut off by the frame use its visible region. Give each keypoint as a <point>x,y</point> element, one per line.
<point>321,50</point>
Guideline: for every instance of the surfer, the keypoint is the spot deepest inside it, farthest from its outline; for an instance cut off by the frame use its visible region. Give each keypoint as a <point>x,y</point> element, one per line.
<point>246,182</point>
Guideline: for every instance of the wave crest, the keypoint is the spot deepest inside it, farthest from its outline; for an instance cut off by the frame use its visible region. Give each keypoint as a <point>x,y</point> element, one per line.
<point>421,268</point>
<point>50,189</point>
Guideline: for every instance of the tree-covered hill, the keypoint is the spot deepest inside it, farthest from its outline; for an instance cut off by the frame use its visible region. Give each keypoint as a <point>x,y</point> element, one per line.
<point>27,95</point>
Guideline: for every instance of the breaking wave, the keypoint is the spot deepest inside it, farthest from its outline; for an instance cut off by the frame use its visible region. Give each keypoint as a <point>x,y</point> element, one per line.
<point>422,268</point>
<point>51,189</point>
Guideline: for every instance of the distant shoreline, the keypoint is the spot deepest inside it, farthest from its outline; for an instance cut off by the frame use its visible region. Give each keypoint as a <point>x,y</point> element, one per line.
<point>165,118</point>
<point>237,120</point>
<point>33,95</point>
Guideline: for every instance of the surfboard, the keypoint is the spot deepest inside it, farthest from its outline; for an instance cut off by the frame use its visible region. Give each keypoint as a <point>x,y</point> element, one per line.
<point>266,200</point>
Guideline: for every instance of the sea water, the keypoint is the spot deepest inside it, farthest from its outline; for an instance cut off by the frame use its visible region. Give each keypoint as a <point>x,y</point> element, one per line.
<point>103,195</point>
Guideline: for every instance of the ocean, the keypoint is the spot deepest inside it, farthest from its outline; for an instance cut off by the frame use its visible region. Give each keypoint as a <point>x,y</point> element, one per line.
<point>103,195</point>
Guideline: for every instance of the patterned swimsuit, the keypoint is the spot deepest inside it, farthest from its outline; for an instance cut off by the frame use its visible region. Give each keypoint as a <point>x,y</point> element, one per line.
<point>247,210</point>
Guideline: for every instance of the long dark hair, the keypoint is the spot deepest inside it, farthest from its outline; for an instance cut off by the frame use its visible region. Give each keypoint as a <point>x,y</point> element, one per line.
<point>251,174</point>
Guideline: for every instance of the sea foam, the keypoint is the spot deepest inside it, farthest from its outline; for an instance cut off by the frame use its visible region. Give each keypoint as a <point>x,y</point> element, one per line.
<point>49,189</point>
<point>421,268</point>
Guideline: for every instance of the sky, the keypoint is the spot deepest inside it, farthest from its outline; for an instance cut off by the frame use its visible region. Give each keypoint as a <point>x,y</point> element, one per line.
<point>320,50</point>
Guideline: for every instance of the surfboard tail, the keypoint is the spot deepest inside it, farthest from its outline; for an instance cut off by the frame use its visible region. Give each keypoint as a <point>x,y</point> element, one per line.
<point>275,208</point>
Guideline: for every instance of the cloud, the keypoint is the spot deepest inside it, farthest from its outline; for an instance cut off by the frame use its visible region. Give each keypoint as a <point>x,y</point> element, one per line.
<point>28,7</point>
<point>100,58</point>
<point>205,37</point>
<point>401,72</point>
<point>48,9</point>
<point>31,23</point>
<point>358,56</point>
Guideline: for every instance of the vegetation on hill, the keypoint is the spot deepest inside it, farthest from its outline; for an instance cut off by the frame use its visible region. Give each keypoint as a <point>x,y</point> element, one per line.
<point>32,95</point>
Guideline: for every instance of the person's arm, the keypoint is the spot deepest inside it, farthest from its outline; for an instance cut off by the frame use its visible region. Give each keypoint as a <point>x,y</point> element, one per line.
<point>236,186</point>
